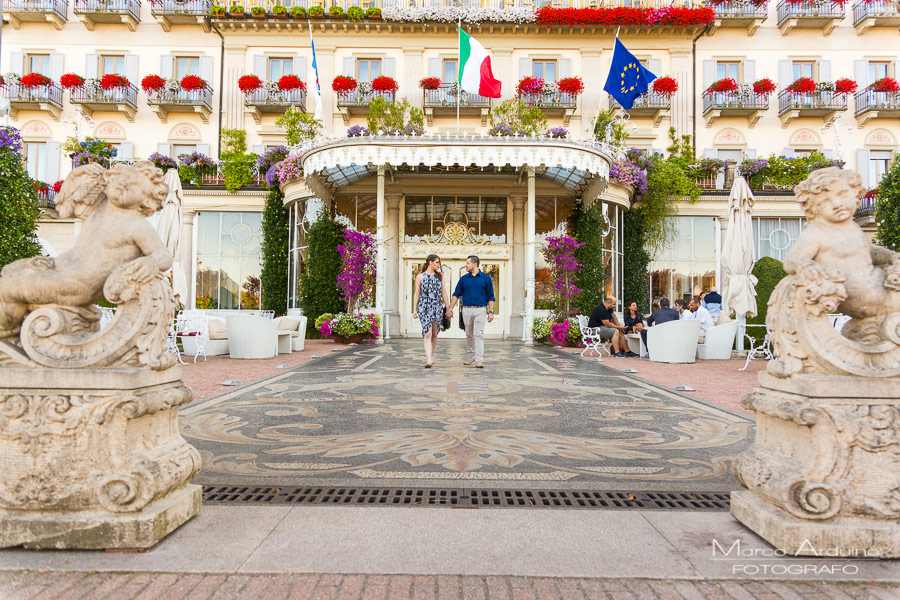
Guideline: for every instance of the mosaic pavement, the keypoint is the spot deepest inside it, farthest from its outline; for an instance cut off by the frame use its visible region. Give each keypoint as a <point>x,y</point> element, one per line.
<point>534,417</point>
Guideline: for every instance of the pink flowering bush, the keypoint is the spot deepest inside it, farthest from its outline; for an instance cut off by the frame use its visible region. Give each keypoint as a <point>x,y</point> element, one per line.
<point>559,332</point>
<point>289,169</point>
<point>347,325</point>
<point>564,267</point>
<point>357,277</point>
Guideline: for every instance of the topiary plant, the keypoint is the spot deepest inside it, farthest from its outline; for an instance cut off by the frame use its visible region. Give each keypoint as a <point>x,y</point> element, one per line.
<point>768,271</point>
<point>275,251</point>
<point>19,211</point>
<point>636,262</point>
<point>319,283</point>
<point>887,209</point>
<point>298,12</point>
<point>336,12</point>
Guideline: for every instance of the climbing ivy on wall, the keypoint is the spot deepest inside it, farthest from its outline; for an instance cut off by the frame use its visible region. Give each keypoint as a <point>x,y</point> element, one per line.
<point>276,232</point>
<point>320,293</point>
<point>586,225</point>
<point>636,261</point>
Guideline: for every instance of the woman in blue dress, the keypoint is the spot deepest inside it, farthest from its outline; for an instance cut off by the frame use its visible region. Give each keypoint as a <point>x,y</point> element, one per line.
<point>431,302</point>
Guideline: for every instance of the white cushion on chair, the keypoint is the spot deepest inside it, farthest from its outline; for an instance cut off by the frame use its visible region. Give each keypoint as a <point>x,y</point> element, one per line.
<point>217,329</point>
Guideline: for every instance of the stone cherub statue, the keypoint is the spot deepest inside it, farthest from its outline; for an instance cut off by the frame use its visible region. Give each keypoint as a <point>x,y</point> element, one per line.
<point>833,267</point>
<point>46,312</point>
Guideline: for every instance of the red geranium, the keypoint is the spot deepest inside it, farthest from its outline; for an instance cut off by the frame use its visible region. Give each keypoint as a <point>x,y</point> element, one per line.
<point>152,83</point>
<point>2,81</point>
<point>57,186</point>
<point>871,194</point>
<point>723,85</point>
<point>40,187</point>
<point>611,17</point>
<point>665,86</point>
<point>571,85</point>
<point>804,85</point>
<point>343,84</point>
<point>384,83</point>
<point>845,86</point>
<point>192,83</point>
<point>887,84</point>
<point>71,81</point>
<point>33,80</point>
<point>530,86</point>
<point>290,82</point>
<point>111,81</point>
<point>249,83</point>
<point>430,83</point>
<point>764,87</point>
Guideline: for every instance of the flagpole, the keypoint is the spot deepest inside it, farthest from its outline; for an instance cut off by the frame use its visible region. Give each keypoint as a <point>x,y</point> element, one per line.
<point>458,71</point>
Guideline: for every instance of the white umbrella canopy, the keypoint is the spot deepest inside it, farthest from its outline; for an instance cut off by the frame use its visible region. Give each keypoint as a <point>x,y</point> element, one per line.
<point>737,253</point>
<point>169,228</point>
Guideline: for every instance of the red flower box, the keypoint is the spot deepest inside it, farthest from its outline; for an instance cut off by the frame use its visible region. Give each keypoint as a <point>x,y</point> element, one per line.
<point>430,83</point>
<point>804,85</point>
<point>845,86</point>
<point>571,85</point>
<point>152,83</point>
<point>249,83</point>
<point>290,82</point>
<point>887,84</point>
<point>723,85</point>
<point>665,86</point>
<point>343,84</point>
<point>57,186</point>
<point>40,187</point>
<point>611,17</point>
<point>111,81</point>
<point>33,80</point>
<point>71,81</point>
<point>384,84</point>
<point>764,87</point>
<point>530,86</point>
<point>193,83</point>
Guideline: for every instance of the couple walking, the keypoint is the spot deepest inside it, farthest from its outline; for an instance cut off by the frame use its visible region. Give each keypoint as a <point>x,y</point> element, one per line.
<point>474,290</point>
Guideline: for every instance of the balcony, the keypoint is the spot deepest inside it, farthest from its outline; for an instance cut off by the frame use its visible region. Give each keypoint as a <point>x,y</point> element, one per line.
<point>876,105</point>
<point>262,102</point>
<point>46,98</point>
<point>17,12</point>
<point>649,105</point>
<point>742,103</point>
<point>181,101</point>
<point>123,100</point>
<point>181,12</point>
<point>816,104</point>
<point>442,101</point>
<point>47,199</point>
<point>356,102</point>
<point>809,15</point>
<point>554,105</point>
<point>92,12</point>
<point>739,14</point>
<point>880,13</point>
<point>217,177</point>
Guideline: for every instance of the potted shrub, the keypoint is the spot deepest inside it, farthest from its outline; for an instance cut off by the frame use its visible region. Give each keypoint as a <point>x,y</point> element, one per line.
<point>343,84</point>
<point>71,81</point>
<point>336,12</point>
<point>665,86</point>
<point>316,12</point>
<point>764,87</point>
<point>236,11</point>
<point>290,82</point>
<point>298,12</point>
<point>33,80</point>
<point>192,83</point>
<point>845,86</point>
<point>430,83</point>
<point>217,11</point>
<point>258,12</point>
<point>355,13</point>
<point>804,85</point>
<point>279,11</point>
<point>111,81</point>
<point>249,83</point>
<point>886,84</point>
<point>346,328</point>
<point>153,83</point>
<point>383,83</point>
<point>530,86</point>
<point>725,85</point>
<point>373,12</point>
<point>571,85</point>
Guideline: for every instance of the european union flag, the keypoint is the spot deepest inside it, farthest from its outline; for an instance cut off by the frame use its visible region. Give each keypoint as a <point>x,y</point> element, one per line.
<point>627,79</point>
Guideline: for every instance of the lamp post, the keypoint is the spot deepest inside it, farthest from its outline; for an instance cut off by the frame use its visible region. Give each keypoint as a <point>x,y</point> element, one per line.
<point>76,121</point>
<point>835,124</point>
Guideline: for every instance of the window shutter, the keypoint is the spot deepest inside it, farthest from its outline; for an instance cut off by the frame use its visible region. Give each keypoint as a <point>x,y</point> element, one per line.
<point>787,152</point>
<point>565,68</point>
<point>126,149</point>
<point>203,149</point>
<point>824,70</point>
<point>862,165</point>
<point>258,149</point>
<point>259,66</point>
<point>164,148</point>
<point>206,69</point>
<point>709,73</point>
<point>784,73</point>
<point>350,66</point>
<point>749,71</point>
<point>17,63</point>
<point>387,67</point>
<point>655,66</point>
<point>434,67</point>
<point>52,162</point>
<point>749,154</point>
<point>56,65</point>
<point>131,68</point>
<point>861,72</point>
<point>525,68</point>
<point>91,62</point>
<point>300,67</point>
<point>166,66</point>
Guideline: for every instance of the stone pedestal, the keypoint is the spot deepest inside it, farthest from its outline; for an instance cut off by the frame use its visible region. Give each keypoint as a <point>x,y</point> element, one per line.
<point>823,476</point>
<point>92,458</point>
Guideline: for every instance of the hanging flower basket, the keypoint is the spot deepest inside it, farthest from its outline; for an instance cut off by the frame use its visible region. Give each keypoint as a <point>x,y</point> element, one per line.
<point>665,86</point>
<point>845,86</point>
<point>571,85</point>
<point>249,83</point>
<point>153,83</point>
<point>764,87</point>
<point>343,84</point>
<point>430,83</point>
<point>71,81</point>
<point>723,86</point>
<point>887,84</point>
<point>33,80</point>
<point>111,81</point>
<point>192,83</point>
<point>384,84</point>
<point>290,82</point>
<point>804,85</point>
<point>530,86</point>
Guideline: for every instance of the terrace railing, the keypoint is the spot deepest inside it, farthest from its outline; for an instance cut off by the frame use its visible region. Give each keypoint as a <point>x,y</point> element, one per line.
<point>741,9</point>
<point>118,95</point>
<point>43,93</point>
<point>116,7</point>
<point>868,99</point>
<point>740,99</point>
<point>57,7</point>
<point>182,97</point>
<point>809,10</point>
<point>873,10</point>
<point>359,97</point>
<point>447,95</point>
<point>815,101</point>
<point>180,7</point>
<point>261,97</point>
<point>557,100</point>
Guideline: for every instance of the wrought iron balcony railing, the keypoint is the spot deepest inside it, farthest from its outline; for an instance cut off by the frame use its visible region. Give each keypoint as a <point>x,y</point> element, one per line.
<point>878,8</point>
<point>216,176</point>
<point>363,98</point>
<point>809,10</point>
<point>57,7</point>
<point>115,7</point>
<point>261,97</point>
<point>816,101</point>
<point>557,100</point>
<point>182,97</point>
<point>740,99</point>
<point>43,93</point>
<point>866,208</point>
<point>46,199</point>
<point>741,9</point>
<point>180,7</point>
<point>871,100</point>
<point>119,95</point>
<point>447,95</point>
<point>652,100</point>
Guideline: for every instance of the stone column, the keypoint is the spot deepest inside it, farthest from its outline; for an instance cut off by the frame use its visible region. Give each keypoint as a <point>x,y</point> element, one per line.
<point>529,261</point>
<point>325,62</point>
<point>683,101</point>
<point>186,252</point>
<point>392,270</point>
<point>517,304</point>
<point>380,262</point>
<point>232,98</point>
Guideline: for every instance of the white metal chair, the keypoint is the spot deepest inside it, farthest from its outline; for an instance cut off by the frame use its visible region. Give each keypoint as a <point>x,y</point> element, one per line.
<point>673,342</point>
<point>718,342</point>
<point>762,350</point>
<point>590,337</point>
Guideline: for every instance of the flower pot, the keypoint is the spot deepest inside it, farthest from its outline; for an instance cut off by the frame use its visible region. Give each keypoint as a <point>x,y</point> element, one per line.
<point>236,15</point>
<point>280,15</point>
<point>373,17</point>
<point>220,16</point>
<point>317,16</point>
<point>353,339</point>
<point>260,17</point>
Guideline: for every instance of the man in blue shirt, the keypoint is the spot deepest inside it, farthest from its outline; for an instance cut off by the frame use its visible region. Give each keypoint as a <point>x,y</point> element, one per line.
<point>476,290</point>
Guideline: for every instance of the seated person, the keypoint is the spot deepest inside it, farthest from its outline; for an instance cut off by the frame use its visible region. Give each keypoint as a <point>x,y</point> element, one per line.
<point>663,315</point>
<point>681,306</point>
<point>634,321</point>
<point>712,302</point>
<point>604,318</point>
<point>698,313</point>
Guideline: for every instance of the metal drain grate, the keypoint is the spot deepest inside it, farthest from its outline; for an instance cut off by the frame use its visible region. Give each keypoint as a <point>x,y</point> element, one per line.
<point>468,498</point>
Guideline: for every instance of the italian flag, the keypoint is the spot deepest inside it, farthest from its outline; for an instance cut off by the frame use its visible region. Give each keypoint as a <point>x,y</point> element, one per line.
<point>475,74</point>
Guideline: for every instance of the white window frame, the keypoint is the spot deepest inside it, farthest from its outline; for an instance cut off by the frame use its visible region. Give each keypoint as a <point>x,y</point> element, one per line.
<point>177,69</point>
<point>45,60</point>
<point>543,62</point>
<point>284,61</point>
<point>369,62</point>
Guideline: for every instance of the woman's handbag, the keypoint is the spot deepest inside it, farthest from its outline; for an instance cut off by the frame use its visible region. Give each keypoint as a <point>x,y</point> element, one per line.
<point>445,323</point>
<point>462,324</point>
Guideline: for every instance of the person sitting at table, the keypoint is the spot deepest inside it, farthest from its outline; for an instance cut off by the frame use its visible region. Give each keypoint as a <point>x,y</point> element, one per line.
<point>604,318</point>
<point>681,307</point>
<point>698,313</point>
<point>663,315</point>
<point>634,320</point>
<point>712,302</point>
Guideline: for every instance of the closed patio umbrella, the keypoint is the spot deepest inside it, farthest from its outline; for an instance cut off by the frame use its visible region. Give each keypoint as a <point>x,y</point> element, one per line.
<point>739,294</point>
<point>169,228</point>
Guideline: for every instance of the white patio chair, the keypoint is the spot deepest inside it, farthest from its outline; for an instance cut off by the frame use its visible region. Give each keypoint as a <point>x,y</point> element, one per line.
<point>172,343</point>
<point>590,337</point>
<point>673,342</point>
<point>718,342</point>
<point>296,324</point>
<point>251,337</point>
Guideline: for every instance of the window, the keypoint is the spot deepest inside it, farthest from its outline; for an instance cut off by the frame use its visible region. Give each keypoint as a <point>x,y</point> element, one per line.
<point>545,69</point>
<point>483,219</point>
<point>735,155</point>
<point>179,149</point>
<point>728,69</point>
<point>112,65</point>
<point>279,67</point>
<point>687,261</point>
<point>187,65</point>
<point>803,68</point>
<point>449,71</point>
<point>368,69</point>
<point>879,160</point>
<point>877,70</point>
<point>38,63</point>
<point>775,237</point>
<point>804,152</point>
<point>36,160</point>
<point>228,260</point>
